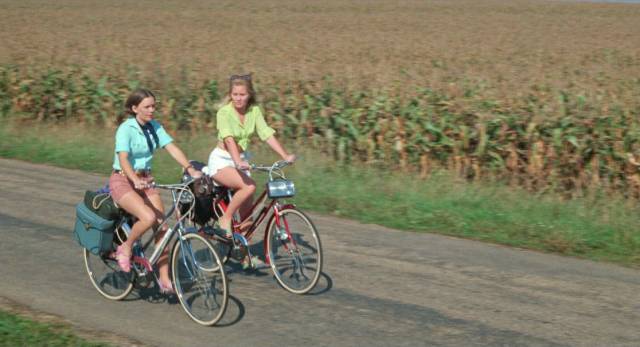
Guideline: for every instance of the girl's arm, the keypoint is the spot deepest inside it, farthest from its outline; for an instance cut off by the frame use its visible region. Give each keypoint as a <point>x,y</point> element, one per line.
<point>123,157</point>
<point>232,148</point>
<point>277,147</point>
<point>179,156</point>
<point>266,134</point>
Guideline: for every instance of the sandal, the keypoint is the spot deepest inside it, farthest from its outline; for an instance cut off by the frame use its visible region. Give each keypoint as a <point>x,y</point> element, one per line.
<point>166,289</point>
<point>124,260</point>
<point>222,232</point>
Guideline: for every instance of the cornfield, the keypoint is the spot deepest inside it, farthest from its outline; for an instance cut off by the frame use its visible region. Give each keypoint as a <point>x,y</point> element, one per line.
<point>540,94</point>
<point>546,139</point>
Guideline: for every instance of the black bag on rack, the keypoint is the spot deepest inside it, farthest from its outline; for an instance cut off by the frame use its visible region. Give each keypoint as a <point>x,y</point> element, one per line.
<point>204,191</point>
<point>102,204</point>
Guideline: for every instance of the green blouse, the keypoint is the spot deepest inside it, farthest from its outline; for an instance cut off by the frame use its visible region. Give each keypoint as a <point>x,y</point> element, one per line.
<point>228,124</point>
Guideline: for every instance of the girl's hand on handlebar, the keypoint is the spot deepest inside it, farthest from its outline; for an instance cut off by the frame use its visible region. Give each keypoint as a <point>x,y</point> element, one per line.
<point>194,173</point>
<point>140,184</point>
<point>290,158</point>
<point>243,165</point>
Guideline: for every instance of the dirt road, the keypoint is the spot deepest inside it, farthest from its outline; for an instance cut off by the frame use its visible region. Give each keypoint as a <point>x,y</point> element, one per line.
<point>380,287</point>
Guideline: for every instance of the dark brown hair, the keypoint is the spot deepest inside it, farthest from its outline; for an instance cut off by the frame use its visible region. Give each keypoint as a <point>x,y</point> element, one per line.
<point>135,99</point>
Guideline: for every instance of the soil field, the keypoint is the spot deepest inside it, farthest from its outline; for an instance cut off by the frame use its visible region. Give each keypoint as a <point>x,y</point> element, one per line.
<point>504,47</point>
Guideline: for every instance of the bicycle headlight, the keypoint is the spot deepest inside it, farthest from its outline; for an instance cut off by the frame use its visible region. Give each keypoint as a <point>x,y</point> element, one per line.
<point>280,188</point>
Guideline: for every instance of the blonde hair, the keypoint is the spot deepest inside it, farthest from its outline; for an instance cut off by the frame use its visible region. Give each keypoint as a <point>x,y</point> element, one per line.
<point>240,80</point>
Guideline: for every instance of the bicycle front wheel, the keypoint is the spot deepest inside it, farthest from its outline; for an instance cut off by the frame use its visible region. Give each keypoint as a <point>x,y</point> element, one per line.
<point>199,279</point>
<point>295,252</point>
<point>106,276</point>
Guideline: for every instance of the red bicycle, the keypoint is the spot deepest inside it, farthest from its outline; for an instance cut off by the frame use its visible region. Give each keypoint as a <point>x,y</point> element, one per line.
<point>292,246</point>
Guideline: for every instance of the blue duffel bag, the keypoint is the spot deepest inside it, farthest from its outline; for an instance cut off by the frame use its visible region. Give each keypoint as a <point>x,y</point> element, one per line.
<point>92,231</point>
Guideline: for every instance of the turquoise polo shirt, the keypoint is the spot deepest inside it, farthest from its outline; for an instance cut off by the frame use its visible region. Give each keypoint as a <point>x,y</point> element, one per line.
<point>130,138</point>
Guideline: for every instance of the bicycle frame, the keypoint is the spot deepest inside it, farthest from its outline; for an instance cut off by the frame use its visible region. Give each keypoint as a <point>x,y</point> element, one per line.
<point>178,228</point>
<point>197,275</point>
<point>287,251</point>
<point>264,209</point>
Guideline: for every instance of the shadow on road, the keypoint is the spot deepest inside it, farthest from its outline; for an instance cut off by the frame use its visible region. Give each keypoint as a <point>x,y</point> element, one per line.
<point>152,295</point>
<point>235,313</point>
<point>325,283</point>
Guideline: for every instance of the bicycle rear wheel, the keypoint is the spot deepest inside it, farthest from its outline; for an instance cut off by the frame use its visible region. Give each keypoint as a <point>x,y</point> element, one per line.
<point>199,279</point>
<point>106,276</point>
<point>295,251</point>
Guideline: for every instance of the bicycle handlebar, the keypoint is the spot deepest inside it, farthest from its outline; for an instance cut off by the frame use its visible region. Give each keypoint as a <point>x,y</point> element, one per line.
<point>275,166</point>
<point>174,186</point>
<point>181,194</point>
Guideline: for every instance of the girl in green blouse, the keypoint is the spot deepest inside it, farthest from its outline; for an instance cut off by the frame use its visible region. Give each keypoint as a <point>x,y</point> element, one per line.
<point>237,121</point>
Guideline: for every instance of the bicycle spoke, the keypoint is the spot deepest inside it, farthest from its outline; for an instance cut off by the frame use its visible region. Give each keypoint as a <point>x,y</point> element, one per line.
<point>294,251</point>
<point>199,279</point>
<point>106,276</point>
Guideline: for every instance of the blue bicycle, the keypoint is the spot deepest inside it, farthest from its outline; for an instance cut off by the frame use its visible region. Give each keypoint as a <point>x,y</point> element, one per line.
<point>197,272</point>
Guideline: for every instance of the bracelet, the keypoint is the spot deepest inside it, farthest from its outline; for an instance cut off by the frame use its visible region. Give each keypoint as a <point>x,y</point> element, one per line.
<point>187,168</point>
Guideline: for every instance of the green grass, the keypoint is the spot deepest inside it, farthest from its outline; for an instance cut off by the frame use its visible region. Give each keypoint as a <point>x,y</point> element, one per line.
<point>17,331</point>
<point>598,228</point>
<point>593,228</point>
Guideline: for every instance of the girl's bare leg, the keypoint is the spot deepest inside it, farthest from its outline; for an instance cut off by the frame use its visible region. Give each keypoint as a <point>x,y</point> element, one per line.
<point>163,261</point>
<point>242,185</point>
<point>135,205</point>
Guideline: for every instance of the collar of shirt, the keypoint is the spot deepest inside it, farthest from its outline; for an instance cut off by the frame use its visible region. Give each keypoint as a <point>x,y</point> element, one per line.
<point>133,123</point>
<point>248,115</point>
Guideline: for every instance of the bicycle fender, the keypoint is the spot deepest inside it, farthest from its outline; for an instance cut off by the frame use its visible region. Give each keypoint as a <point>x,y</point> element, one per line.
<point>287,206</point>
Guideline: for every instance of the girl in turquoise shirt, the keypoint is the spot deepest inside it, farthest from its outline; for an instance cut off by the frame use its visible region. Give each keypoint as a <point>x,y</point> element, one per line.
<point>137,139</point>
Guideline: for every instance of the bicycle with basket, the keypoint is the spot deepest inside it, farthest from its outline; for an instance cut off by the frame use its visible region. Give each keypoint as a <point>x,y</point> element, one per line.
<point>291,243</point>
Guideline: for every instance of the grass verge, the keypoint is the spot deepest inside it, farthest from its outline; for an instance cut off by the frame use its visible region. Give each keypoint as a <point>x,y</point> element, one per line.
<point>18,331</point>
<point>595,228</point>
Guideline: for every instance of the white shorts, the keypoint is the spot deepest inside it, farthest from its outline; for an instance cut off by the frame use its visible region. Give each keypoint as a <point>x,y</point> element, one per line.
<point>219,159</point>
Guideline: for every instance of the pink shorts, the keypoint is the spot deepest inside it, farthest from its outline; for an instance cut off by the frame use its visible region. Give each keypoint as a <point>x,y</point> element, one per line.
<point>119,184</point>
